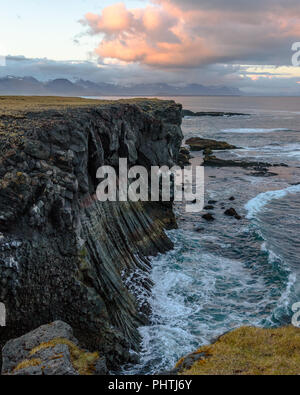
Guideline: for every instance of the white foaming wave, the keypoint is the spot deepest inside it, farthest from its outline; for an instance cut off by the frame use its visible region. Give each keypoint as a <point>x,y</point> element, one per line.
<point>254,130</point>
<point>285,298</point>
<point>197,296</point>
<point>271,148</point>
<point>255,205</point>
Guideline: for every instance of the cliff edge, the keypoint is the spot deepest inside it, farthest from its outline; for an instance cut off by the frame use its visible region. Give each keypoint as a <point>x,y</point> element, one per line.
<point>63,254</point>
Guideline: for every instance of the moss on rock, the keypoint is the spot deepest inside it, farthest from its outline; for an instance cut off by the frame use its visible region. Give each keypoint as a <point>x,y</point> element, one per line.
<point>82,361</point>
<point>27,363</point>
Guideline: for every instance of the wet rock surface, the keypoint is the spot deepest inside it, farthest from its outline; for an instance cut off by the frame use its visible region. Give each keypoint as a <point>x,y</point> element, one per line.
<point>208,217</point>
<point>189,113</point>
<point>261,169</point>
<point>200,144</point>
<point>231,212</point>
<point>63,254</point>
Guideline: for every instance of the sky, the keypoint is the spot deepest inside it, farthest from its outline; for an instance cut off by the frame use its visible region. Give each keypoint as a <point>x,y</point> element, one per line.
<point>238,43</point>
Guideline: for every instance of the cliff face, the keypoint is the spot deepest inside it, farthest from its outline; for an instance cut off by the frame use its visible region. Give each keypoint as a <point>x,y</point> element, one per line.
<point>63,254</point>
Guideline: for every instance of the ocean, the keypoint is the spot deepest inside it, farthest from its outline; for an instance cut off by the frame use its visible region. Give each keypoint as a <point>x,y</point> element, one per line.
<point>230,273</point>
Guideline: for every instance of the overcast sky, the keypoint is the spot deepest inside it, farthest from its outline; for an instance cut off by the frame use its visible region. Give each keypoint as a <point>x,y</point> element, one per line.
<point>239,43</point>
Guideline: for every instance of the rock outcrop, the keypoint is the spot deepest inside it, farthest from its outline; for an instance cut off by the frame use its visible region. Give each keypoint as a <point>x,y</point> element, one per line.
<point>50,350</point>
<point>200,144</point>
<point>63,254</point>
<point>261,168</point>
<point>189,113</point>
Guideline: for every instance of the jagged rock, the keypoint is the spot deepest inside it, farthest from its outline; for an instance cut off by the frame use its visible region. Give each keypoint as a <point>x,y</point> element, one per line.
<point>260,167</point>
<point>189,113</point>
<point>63,254</point>
<point>264,173</point>
<point>184,157</point>
<point>212,202</point>
<point>231,212</point>
<point>50,350</point>
<point>208,217</point>
<point>209,207</point>
<point>200,144</point>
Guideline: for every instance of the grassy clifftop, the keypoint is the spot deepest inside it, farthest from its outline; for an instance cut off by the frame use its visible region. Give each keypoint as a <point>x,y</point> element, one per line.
<point>247,351</point>
<point>22,114</point>
<point>12,104</point>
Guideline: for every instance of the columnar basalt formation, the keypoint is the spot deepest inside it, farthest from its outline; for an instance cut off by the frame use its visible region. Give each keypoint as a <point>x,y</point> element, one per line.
<point>63,254</point>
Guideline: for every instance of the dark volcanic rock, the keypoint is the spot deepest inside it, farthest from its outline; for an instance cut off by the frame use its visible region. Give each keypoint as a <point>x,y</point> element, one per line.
<point>261,168</point>
<point>212,202</point>
<point>50,350</point>
<point>264,173</point>
<point>208,207</point>
<point>231,212</point>
<point>199,144</point>
<point>213,161</point>
<point>208,217</point>
<point>184,157</point>
<point>199,229</point>
<point>63,254</point>
<point>188,113</point>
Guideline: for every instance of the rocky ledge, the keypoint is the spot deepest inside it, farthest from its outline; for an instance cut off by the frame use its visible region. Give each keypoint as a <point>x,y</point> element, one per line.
<point>261,169</point>
<point>189,113</point>
<point>63,254</point>
<point>200,144</point>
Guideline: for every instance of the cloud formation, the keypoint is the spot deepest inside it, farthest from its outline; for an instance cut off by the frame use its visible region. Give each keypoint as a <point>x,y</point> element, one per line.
<point>265,80</point>
<point>189,33</point>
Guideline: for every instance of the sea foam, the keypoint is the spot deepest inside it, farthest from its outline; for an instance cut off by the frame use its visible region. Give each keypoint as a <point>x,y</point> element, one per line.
<point>256,204</point>
<point>257,130</point>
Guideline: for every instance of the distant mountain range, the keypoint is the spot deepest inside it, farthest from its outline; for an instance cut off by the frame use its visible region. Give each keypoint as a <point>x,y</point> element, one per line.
<point>12,85</point>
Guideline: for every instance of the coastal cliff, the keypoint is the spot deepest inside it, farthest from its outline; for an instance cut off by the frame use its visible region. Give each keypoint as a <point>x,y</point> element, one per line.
<point>63,254</point>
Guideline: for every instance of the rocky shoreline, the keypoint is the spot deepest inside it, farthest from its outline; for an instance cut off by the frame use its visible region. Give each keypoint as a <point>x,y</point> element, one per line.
<point>65,258</point>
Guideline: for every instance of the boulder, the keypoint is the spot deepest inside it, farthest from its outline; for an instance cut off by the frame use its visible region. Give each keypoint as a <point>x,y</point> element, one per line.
<point>65,255</point>
<point>208,217</point>
<point>231,212</point>
<point>50,350</point>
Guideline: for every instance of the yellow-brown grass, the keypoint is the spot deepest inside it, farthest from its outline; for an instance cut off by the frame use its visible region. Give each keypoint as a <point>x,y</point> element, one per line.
<point>251,351</point>
<point>13,104</point>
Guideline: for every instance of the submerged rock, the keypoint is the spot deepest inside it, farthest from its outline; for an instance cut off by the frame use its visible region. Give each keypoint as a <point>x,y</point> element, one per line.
<point>184,157</point>
<point>208,217</point>
<point>231,212</point>
<point>200,144</point>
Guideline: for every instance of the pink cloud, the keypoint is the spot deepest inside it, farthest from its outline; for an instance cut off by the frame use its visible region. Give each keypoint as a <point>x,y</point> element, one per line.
<point>115,18</point>
<point>168,34</point>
